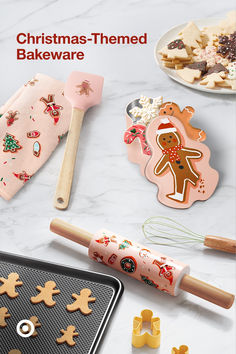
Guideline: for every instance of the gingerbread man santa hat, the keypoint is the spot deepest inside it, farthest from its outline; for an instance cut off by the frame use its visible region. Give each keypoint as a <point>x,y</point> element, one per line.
<point>165,127</point>
<point>179,165</point>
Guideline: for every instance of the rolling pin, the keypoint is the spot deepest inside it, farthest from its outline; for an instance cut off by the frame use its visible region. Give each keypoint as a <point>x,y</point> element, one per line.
<point>146,265</point>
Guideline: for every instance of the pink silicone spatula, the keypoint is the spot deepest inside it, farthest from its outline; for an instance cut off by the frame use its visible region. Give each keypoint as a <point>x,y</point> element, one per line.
<point>83,90</point>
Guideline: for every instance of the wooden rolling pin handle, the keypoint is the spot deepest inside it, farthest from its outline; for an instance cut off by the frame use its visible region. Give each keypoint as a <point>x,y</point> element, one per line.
<point>62,195</point>
<point>220,243</point>
<point>71,232</point>
<point>207,292</point>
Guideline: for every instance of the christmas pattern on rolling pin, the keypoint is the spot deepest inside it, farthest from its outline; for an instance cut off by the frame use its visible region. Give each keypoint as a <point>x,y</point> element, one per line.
<point>150,267</point>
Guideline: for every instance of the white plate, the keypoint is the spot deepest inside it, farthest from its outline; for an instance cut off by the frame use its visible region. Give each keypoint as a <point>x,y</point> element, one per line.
<point>171,35</point>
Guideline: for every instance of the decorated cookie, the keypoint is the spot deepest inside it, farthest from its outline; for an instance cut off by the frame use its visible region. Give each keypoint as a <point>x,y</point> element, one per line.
<point>209,54</point>
<point>178,163</point>
<point>81,302</point>
<point>172,109</point>
<point>175,49</point>
<point>46,293</point>
<point>200,65</point>
<point>9,285</point>
<point>188,74</point>
<point>213,80</point>
<point>191,35</point>
<point>147,109</point>
<point>67,336</point>
<point>137,131</point>
<point>139,113</point>
<point>3,316</point>
<point>231,71</point>
<point>227,47</point>
<point>217,68</point>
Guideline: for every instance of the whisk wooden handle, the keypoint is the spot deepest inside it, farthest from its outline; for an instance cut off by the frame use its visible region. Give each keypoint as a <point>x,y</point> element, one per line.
<point>62,195</point>
<point>207,292</point>
<point>220,243</point>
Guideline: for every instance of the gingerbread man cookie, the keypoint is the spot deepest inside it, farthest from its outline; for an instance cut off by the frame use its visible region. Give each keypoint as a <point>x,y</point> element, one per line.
<point>3,315</point>
<point>67,336</point>
<point>183,349</point>
<point>172,109</point>
<point>177,158</point>
<point>81,302</point>
<point>34,320</point>
<point>46,294</point>
<point>178,164</point>
<point>9,285</point>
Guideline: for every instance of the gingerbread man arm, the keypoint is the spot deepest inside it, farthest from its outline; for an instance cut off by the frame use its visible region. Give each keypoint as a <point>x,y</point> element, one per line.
<point>57,291</point>
<point>195,154</point>
<point>161,165</point>
<point>39,288</point>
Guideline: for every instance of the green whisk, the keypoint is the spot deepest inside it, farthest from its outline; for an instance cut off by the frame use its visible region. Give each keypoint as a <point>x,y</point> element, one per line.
<point>165,231</point>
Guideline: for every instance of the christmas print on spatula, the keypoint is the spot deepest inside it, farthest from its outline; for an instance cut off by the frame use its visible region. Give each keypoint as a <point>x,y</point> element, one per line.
<point>169,151</point>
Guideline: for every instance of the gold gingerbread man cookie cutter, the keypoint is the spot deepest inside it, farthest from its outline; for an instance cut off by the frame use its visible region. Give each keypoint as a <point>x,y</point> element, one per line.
<point>183,349</point>
<point>152,339</point>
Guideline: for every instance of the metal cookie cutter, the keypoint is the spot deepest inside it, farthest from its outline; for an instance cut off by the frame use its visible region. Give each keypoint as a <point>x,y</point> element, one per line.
<point>183,349</point>
<point>152,339</point>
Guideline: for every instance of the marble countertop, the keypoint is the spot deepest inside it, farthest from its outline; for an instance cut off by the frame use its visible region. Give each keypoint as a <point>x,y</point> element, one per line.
<point>108,190</point>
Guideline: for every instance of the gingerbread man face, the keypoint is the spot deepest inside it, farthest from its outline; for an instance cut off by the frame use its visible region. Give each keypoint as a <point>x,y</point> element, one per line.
<point>169,109</point>
<point>168,140</point>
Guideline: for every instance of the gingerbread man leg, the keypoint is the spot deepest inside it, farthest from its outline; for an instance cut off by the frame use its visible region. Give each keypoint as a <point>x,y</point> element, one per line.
<point>3,315</point>
<point>180,188</point>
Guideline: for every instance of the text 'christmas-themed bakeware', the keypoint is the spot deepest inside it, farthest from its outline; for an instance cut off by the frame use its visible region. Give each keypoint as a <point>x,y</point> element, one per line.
<point>69,308</point>
<point>83,91</point>
<point>170,151</point>
<point>146,265</point>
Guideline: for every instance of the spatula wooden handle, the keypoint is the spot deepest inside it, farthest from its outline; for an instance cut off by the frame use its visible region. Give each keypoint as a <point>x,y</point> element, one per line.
<point>62,196</point>
<point>220,243</point>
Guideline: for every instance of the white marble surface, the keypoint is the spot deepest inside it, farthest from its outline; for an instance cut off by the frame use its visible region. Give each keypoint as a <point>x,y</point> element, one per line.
<point>108,191</point>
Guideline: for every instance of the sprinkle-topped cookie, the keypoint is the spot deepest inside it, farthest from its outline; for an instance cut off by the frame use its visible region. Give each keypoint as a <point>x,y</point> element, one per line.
<point>228,46</point>
<point>177,43</point>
